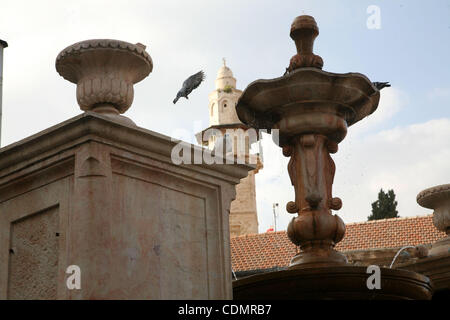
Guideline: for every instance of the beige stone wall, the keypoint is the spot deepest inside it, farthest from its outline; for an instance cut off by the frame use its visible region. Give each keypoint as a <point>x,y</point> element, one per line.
<point>107,198</point>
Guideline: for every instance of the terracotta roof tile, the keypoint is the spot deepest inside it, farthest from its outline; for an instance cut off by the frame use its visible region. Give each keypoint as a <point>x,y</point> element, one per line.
<point>274,249</point>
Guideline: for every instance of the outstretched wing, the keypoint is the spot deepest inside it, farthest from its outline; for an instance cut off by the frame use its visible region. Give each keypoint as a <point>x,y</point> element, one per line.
<point>193,81</point>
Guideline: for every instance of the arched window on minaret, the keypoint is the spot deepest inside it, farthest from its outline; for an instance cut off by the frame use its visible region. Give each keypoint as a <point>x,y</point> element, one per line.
<point>212,109</point>
<point>225,104</point>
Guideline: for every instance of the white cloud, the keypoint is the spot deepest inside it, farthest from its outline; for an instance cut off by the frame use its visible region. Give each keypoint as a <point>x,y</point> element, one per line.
<point>435,93</point>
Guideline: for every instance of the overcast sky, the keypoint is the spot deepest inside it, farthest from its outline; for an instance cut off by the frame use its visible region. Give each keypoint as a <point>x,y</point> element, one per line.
<point>404,145</point>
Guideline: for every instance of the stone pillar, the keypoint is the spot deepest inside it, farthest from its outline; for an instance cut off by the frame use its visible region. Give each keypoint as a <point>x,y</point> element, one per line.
<point>102,194</point>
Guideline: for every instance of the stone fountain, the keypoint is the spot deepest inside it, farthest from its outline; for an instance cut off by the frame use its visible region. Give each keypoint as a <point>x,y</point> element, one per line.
<point>312,110</point>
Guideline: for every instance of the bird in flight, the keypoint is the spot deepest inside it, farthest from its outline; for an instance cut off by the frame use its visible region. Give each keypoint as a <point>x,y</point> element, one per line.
<point>381,85</point>
<point>190,84</point>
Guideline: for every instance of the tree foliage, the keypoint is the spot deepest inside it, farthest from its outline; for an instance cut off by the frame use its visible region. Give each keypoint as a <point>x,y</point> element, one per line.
<point>385,207</point>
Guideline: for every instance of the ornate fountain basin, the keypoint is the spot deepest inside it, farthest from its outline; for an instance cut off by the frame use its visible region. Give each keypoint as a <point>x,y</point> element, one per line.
<point>308,100</point>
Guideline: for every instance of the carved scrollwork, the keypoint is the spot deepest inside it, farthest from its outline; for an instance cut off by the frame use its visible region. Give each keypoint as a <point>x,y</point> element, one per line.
<point>311,170</point>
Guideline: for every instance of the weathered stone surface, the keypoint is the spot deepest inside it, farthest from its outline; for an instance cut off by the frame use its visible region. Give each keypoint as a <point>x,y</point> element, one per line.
<point>138,226</point>
<point>33,256</point>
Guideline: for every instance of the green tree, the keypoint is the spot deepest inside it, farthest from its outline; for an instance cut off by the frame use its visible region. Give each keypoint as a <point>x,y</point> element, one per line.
<point>385,207</point>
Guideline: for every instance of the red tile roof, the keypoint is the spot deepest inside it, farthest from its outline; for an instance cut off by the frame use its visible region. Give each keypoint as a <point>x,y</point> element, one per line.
<point>274,249</point>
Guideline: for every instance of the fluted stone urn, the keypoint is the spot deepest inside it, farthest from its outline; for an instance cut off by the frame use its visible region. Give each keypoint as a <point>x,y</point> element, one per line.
<point>105,71</point>
<point>438,199</point>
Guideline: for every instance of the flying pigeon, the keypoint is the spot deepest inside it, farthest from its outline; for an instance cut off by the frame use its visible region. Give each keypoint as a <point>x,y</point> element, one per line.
<point>381,85</point>
<point>190,84</point>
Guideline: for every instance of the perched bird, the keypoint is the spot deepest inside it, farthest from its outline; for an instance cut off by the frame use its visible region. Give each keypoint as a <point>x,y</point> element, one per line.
<point>381,85</point>
<point>190,84</point>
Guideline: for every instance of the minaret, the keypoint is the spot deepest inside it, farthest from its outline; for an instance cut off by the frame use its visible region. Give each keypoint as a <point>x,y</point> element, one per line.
<point>223,118</point>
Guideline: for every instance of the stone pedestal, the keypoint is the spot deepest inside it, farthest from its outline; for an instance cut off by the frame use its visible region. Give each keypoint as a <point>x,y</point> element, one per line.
<point>103,200</point>
<point>106,197</point>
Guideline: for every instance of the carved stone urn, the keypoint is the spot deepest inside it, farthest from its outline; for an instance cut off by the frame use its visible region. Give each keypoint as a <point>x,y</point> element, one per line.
<point>105,71</point>
<point>438,198</point>
<point>312,110</point>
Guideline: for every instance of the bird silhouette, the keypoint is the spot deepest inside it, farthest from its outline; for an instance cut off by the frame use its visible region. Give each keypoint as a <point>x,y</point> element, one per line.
<point>190,84</point>
<point>381,85</point>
